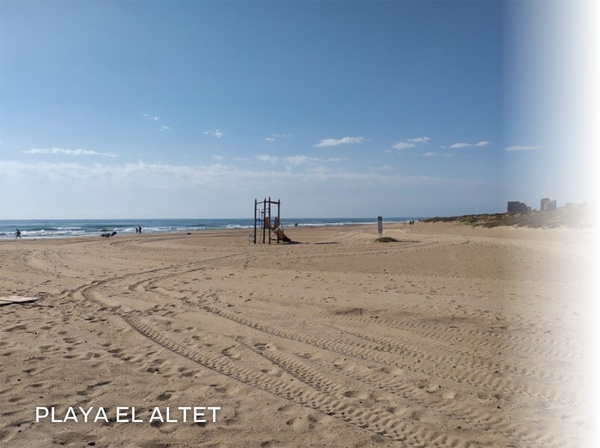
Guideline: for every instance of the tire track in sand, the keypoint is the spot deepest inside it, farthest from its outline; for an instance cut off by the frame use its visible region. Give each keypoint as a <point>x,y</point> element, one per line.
<point>374,420</point>
<point>420,402</point>
<point>527,344</point>
<point>492,381</point>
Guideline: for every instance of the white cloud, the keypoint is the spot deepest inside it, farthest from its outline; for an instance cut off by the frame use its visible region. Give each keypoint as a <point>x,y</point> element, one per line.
<point>338,141</point>
<point>67,152</point>
<point>419,139</point>
<point>429,154</point>
<point>299,160</point>
<point>273,137</point>
<point>403,145</point>
<point>150,117</point>
<point>214,133</point>
<point>411,142</point>
<point>55,190</point>
<point>266,158</point>
<point>217,157</point>
<point>165,128</point>
<point>480,144</point>
<point>296,160</point>
<point>302,160</point>
<point>383,168</point>
<point>524,148</point>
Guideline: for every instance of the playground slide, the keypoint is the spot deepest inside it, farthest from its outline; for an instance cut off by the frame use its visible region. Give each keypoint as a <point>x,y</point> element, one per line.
<point>277,229</point>
<point>279,232</point>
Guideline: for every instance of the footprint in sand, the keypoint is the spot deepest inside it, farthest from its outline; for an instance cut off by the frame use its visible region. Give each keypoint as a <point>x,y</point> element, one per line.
<point>165,395</point>
<point>185,372</point>
<point>397,410</point>
<point>300,423</point>
<point>74,439</point>
<point>356,394</point>
<point>229,353</point>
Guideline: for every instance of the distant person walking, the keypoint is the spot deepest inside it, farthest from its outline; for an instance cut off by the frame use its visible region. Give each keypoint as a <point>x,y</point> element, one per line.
<point>18,234</point>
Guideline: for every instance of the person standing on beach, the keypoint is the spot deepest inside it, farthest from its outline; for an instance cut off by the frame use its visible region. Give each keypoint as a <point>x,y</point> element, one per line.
<point>18,234</point>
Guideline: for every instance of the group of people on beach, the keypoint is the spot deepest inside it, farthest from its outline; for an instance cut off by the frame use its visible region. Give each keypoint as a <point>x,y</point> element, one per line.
<point>138,229</point>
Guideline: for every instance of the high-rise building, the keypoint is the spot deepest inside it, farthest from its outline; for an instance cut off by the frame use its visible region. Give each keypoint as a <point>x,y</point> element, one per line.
<point>546,205</point>
<point>517,207</point>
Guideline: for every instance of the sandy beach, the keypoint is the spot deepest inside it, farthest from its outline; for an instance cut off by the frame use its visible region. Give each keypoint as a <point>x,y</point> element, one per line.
<point>452,336</point>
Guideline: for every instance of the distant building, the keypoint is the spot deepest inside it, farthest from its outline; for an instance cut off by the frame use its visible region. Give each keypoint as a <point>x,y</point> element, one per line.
<point>517,207</point>
<point>583,204</point>
<point>546,205</point>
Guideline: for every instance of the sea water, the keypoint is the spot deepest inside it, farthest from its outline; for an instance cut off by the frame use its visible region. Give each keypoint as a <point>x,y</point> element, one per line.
<point>65,228</point>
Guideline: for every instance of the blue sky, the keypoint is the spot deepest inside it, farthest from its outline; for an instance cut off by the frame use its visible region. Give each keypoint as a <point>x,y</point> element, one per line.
<point>192,109</point>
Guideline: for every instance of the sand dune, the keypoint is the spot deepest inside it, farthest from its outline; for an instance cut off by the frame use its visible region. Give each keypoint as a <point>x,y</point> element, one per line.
<point>452,336</point>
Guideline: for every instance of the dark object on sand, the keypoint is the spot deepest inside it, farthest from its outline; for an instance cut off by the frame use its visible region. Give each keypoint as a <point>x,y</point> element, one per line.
<point>387,239</point>
<point>107,234</point>
<point>18,300</point>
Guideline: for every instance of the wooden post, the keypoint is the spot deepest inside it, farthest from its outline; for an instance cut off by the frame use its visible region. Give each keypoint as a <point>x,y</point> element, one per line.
<point>255,205</point>
<point>278,217</point>
<point>269,219</point>
<point>264,217</point>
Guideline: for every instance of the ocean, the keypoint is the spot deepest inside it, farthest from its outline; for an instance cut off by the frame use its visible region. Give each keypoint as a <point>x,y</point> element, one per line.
<point>68,228</point>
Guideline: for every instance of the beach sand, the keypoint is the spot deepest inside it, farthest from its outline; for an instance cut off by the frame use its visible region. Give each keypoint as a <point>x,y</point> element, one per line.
<point>452,336</point>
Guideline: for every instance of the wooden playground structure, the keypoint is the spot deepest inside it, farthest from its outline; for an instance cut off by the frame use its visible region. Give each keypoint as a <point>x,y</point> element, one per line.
<point>267,220</point>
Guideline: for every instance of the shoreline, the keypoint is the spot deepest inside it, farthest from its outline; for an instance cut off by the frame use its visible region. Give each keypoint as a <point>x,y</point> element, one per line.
<point>579,218</point>
<point>74,228</point>
<point>447,226</point>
